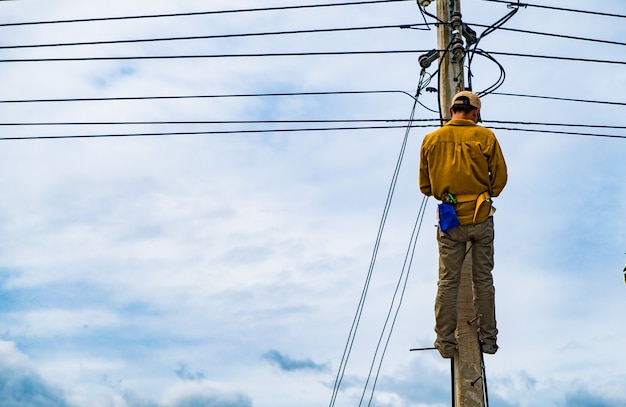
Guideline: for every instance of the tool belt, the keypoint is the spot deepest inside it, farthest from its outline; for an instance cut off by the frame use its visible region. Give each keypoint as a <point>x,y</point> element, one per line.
<point>478,198</point>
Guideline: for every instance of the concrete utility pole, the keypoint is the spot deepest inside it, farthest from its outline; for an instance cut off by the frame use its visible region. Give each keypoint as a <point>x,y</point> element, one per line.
<point>468,373</point>
<point>451,52</point>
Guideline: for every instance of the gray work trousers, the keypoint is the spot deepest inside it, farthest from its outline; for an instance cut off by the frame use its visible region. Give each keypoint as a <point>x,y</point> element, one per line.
<point>452,248</point>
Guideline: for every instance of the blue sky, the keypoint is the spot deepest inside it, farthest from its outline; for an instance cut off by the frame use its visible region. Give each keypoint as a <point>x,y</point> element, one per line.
<point>225,270</point>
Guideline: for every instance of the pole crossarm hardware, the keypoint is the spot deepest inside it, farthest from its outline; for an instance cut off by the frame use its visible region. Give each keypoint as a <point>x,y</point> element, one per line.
<point>451,54</point>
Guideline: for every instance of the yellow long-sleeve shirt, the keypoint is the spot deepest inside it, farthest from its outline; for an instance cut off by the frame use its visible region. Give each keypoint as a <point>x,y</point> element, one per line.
<point>464,159</point>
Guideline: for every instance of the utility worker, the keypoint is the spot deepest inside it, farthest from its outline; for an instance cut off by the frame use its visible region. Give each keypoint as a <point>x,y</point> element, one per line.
<point>462,164</point>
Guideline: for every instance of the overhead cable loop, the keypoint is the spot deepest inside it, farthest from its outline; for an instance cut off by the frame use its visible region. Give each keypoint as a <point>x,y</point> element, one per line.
<point>473,49</point>
<point>201,13</point>
<point>500,80</point>
<point>525,5</point>
<point>210,37</point>
<point>498,24</point>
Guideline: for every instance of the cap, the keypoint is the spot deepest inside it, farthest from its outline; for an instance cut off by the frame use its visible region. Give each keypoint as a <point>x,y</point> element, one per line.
<point>466,98</point>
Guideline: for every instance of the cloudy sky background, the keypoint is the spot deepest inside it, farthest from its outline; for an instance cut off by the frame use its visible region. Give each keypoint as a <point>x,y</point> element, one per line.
<point>225,270</point>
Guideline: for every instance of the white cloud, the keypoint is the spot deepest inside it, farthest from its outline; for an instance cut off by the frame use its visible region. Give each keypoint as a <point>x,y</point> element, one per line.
<point>148,254</point>
<point>203,393</point>
<point>21,385</point>
<point>52,323</point>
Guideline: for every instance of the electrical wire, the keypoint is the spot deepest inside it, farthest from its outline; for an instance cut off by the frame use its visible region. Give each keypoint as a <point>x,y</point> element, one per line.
<point>442,57</point>
<point>561,58</point>
<point>285,94</point>
<point>408,123</point>
<point>568,133</point>
<point>569,37</point>
<point>296,54</point>
<point>190,122</point>
<point>294,130</point>
<point>359,312</point>
<point>559,98</point>
<point>473,50</point>
<point>292,32</point>
<point>369,375</point>
<point>403,278</point>
<point>500,80</point>
<point>598,13</point>
<point>591,126</point>
<point>423,13</point>
<point>174,97</point>
<point>210,56</point>
<point>210,132</point>
<point>201,13</point>
<point>402,281</point>
<point>209,37</point>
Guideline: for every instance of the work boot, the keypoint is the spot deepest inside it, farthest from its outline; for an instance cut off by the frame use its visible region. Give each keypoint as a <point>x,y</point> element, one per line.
<point>489,348</point>
<point>446,350</point>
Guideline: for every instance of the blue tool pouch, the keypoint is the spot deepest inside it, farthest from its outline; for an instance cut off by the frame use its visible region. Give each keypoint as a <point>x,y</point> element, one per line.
<point>447,217</point>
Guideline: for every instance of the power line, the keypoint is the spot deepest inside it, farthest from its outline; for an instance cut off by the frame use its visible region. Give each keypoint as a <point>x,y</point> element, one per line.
<point>289,130</point>
<point>174,97</point>
<point>311,31</point>
<point>210,56</point>
<point>598,13</point>
<point>314,121</point>
<point>283,94</point>
<point>560,58</point>
<point>594,126</point>
<point>568,37</point>
<point>200,13</point>
<point>296,54</point>
<point>559,98</point>
<point>208,37</point>
<point>291,32</point>
<point>212,132</point>
<point>567,133</point>
<point>191,122</point>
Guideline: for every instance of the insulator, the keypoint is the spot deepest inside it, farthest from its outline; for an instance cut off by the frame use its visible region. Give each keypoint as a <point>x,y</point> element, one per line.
<point>457,49</point>
<point>469,34</point>
<point>427,59</point>
<point>455,20</point>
